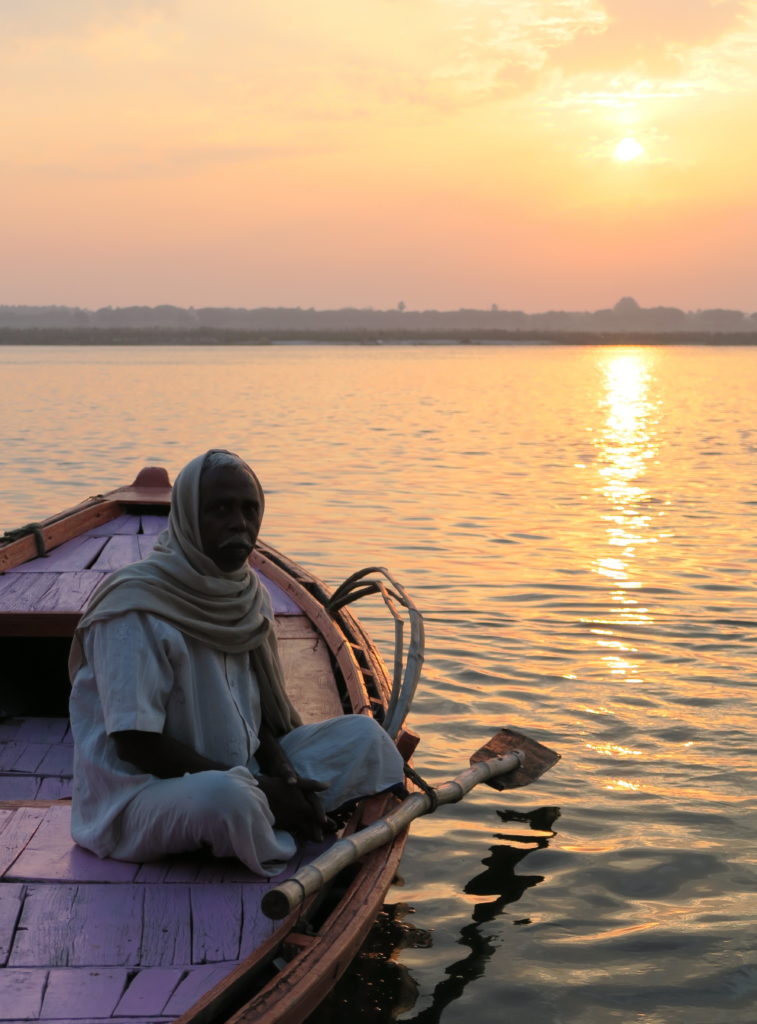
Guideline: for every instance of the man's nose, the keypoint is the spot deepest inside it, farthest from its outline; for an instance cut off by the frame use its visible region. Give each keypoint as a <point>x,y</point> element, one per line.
<point>236,519</point>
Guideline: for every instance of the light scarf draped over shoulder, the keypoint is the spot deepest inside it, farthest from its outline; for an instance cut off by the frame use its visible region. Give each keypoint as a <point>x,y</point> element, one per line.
<point>177,582</point>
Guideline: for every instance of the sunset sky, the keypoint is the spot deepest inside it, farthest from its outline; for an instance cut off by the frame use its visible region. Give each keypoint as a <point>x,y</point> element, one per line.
<point>534,153</point>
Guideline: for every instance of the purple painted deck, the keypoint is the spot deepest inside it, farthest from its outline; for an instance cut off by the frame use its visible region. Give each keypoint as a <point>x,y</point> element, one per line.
<point>83,939</point>
<point>38,591</point>
<point>36,759</point>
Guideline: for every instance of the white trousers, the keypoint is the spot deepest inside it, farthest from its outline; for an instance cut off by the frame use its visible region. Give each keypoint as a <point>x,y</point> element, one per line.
<point>228,812</point>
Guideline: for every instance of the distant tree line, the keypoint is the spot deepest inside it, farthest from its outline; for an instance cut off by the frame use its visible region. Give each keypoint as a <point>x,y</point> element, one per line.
<point>220,336</point>
<point>203,325</point>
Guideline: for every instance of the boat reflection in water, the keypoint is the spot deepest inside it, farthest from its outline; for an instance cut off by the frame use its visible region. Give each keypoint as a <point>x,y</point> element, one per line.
<point>378,989</point>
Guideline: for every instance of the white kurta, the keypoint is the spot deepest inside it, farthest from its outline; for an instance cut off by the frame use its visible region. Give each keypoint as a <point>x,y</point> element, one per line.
<point>140,673</point>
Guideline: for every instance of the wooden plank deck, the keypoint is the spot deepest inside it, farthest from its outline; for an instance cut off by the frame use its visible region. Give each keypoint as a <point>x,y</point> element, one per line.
<point>36,759</point>
<point>119,551</point>
<point>47,591</point>
<point>125,524</point>
<point>78,553</point>
<point>120,943</point>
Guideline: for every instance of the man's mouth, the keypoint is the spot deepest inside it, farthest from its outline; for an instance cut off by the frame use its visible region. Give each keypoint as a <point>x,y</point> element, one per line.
<point>235,544</point>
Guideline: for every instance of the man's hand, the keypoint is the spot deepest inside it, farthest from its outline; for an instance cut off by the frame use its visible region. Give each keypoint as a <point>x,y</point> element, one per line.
<point>295,804</point>
<point>294,801</point>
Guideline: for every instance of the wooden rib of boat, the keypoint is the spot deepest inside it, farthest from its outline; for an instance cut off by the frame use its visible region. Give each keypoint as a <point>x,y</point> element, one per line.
<point>183,939</point>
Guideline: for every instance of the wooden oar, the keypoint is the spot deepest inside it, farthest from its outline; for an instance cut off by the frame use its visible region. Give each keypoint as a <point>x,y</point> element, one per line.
<point>509,760</point>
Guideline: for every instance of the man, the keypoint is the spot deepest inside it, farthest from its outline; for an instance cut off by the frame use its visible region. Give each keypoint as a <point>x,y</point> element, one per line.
<point>184,735</point>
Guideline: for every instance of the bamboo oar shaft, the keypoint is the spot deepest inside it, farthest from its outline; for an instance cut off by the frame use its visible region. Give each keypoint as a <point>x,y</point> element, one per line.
<point>279,902</point>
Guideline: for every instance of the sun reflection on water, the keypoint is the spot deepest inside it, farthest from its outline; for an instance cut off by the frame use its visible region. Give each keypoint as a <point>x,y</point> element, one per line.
<point>627,448</point>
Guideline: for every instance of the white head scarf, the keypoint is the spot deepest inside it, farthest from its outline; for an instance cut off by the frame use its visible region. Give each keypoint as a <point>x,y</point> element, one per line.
<point>178,582</point>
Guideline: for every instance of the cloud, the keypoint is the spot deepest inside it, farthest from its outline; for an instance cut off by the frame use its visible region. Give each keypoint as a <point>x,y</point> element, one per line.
<point>515,48</point>
<point>42,18</point>
<point>509,44</point>
<point>651,36</point>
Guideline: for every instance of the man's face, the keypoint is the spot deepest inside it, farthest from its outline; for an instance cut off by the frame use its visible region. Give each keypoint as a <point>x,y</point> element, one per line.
<point>231,509</point>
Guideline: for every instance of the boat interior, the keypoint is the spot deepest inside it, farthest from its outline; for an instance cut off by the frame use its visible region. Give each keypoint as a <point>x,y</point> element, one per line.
<point>97,940</point>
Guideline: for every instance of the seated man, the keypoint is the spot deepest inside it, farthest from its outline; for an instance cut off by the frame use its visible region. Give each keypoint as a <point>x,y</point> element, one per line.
<point>184,735</point>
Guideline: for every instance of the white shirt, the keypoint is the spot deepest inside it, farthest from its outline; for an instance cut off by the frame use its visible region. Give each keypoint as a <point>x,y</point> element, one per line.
<point>140,673</point>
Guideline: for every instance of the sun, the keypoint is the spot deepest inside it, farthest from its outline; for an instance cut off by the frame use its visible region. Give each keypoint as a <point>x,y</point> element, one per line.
<point>627,149</point>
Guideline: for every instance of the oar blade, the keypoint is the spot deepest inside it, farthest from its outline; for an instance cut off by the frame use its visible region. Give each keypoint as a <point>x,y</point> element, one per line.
<point>537,759</point>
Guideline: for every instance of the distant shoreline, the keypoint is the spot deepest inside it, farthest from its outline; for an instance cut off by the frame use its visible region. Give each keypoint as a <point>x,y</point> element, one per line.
<point>92,336</point>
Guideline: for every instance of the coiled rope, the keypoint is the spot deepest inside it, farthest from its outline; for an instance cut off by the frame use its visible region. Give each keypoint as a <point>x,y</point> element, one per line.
<point>31,529</point>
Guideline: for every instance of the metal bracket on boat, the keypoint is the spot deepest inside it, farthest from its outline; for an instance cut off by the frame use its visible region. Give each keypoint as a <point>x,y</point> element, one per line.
<point>407,668</point>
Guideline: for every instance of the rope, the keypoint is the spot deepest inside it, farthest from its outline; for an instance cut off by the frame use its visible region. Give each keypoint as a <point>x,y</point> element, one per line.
<point>421,783</point>
<point>34,529</point>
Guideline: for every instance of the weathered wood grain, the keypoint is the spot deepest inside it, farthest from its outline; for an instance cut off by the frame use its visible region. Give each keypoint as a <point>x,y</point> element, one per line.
<point>124,524</point>
<point>58,760</point>
<point>70,591</point>
<point>29,759</point>
<point>146,542</point>
<point>309,677</point>
<point>106,925</point>
<point>79,926</point>
<point>119,551</point>
<point>256,927</point>
<point>42,937</point>
<point>216,922</point>
<point>78,553</point>
<point>148,992</point>
<point>74,995</point>
<point>51,855</point>
<point>11,900</point>
<point>167,927</point>
<point>17,833</point>
<point>22,992</point>
<point>21,591</point>
<point>47,592</point>
<point>154,524</point>
<point>295,627</point>
<point>197,982</point>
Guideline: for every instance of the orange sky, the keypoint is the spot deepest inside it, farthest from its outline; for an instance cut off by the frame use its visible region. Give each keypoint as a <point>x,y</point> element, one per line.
<point>442,152</point>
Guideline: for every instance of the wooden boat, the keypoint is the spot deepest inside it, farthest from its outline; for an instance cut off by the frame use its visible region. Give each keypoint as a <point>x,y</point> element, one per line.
<point>183,939</point>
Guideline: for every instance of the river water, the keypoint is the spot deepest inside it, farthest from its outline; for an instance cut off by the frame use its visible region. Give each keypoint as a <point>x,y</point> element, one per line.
<point>578,526</point>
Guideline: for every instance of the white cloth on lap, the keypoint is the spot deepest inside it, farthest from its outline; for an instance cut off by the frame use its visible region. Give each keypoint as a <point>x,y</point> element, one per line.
<point>227,812</point>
